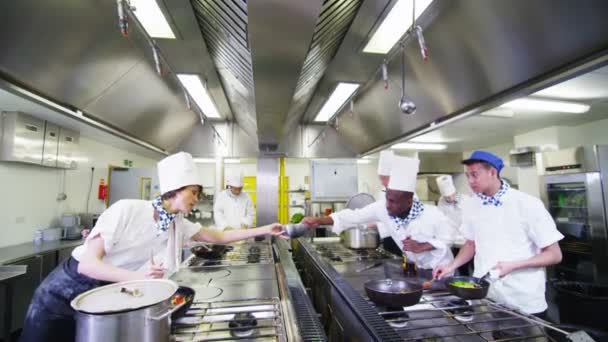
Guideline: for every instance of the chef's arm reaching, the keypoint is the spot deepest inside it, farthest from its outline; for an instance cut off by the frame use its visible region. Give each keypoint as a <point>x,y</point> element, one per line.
<point>91,264</point>
<point>411,245</point>
<point>548,256</point>
<point>314,222</point>
<point>223,237</point>
<point>466,253</point>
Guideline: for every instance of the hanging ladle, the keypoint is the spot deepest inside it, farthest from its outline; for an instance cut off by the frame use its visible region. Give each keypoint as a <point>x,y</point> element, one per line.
<point>405,104</point>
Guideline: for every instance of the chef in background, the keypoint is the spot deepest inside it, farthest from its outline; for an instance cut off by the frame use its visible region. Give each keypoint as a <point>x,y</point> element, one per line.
<point>421,231</point>
<point>128,235</point>
<point>233,209</point>
<point>509,231</point>
<point>450,204</point>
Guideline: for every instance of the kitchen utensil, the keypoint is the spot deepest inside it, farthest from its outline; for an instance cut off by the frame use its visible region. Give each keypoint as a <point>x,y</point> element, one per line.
<point>215,252</point>
<point>393,292</point>
<point>107,313</point>
<point>480,291</point>
<point>359,200</point>
<point>368,267</point>
<point>405,104</point>
<point>295,230</point>
<point>361,237</point>
<point>52,234</point>
<point>188,294</point>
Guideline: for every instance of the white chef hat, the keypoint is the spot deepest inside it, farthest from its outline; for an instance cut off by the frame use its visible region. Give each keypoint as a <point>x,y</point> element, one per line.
<point>176,171</point>
<point>385,162</point>
<point>446,185</point>
<point>235,179</point>
<point>403,174</point>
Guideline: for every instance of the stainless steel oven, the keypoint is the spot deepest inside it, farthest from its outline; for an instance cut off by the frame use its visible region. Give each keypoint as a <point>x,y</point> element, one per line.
<point>575,189</point>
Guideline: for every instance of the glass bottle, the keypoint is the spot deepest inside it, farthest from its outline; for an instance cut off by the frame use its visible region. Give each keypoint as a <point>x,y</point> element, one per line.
<point>409,268</point>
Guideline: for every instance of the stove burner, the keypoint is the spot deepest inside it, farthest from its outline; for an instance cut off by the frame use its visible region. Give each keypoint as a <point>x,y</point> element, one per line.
<point>253,258</point>
<point>462,314</point>
<point>254,250</point>
<point>396,317</point>
<point>243,324</point>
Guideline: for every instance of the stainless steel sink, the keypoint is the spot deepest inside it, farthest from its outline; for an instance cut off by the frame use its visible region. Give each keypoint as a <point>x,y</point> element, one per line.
<point>11,271</point>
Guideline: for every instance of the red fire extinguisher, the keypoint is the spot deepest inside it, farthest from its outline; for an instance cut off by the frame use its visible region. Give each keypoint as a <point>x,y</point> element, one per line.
<point>102,191</point>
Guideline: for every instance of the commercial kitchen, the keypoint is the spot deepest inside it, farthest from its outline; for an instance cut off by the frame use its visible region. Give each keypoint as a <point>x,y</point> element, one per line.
<point>293,103</point>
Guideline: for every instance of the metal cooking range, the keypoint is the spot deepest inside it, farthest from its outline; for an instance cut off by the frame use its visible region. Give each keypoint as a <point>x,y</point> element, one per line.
<point>252,320</point>
<point>336,253</point>
<point>336,289</point>
<point>250,252</point>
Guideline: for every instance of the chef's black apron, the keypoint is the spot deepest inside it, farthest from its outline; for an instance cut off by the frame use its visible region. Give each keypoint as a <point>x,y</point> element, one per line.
<point>50,316</point>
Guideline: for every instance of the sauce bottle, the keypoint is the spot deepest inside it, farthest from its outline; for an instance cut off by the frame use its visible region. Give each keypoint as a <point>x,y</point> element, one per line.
<point>409,268</point>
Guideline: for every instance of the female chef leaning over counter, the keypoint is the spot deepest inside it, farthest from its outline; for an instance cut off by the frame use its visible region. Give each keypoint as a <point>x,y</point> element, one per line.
<point>133,239</point>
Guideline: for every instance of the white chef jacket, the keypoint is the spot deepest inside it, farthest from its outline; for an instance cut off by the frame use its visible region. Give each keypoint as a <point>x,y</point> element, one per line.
<point>517,230</point>
<point>130,237</point>
<point>232,211</point>
<point>453,212</point>
<point>430,226</point>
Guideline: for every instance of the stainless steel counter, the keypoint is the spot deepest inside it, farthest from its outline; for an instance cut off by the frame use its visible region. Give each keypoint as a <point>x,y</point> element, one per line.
<point>14,253</point>
<point>12,271</point>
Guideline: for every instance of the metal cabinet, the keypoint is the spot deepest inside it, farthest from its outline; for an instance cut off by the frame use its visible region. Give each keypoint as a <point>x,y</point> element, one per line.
<point>51,145</point>
<point>23,289</point>
<point>67,152</point>
<point>22,138</point>
<point>3,305</point>
<point>49,262</point>
<point>64,254</point>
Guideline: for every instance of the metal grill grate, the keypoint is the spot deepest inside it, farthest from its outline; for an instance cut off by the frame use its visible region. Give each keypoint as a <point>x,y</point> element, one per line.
<point>332,25</point>
<point>224,28</point>
<point>309,326</point>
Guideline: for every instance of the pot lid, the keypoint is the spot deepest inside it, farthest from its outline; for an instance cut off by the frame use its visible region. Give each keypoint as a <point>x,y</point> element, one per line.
<point>124,296</point>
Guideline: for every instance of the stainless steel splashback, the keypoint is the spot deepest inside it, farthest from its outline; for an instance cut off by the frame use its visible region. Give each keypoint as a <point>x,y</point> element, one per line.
<point>267,190</point>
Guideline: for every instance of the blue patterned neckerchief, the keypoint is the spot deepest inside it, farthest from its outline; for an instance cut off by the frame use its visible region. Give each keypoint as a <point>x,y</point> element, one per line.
<point>495,200</point>
<point>415,211</point>
<point>164,217</point>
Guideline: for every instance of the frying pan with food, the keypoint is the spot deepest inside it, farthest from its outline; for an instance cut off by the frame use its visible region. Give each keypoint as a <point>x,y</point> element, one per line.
<point>183,294</point>
<point>393,292</point>
<point>210,251</point>
<point>467,287</point>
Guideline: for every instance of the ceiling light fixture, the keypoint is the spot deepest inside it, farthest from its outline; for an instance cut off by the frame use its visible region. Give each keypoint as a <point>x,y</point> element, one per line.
<point>204,160</point>
<point>394,25</point>
<point>528,103</point>
<point>363,161</point>
<point>199,94</point>
<point>232,161</point>
<point>336,100</point>
<point>419,146</point>
<point>152,19</point>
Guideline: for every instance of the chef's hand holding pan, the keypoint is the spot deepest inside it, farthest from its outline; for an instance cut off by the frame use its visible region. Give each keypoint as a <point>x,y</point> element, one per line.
<point>155,271</point>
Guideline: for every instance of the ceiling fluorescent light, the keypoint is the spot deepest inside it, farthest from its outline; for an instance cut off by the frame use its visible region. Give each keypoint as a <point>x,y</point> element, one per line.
<point>152,19</point>
<point>339,96</point>
<point>394,25</point>
<point>547,105</point>
<point>232,161</point>
<point>199,94</point>
<point>419,146</point>
<point>500,112</point>
<point>204,160</point>
<point>363,161</point>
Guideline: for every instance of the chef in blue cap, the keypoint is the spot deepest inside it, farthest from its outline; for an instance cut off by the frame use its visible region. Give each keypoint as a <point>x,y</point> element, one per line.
<point>508,231</point>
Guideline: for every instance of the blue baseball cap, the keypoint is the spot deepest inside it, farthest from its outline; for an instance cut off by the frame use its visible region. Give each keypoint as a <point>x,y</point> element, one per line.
<point>479,156</point>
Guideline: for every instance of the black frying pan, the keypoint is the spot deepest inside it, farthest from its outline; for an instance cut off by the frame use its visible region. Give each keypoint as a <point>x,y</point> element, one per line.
<point>393,292</point>
<point>213,252</point>
<point>188,294</point>
<point>479,292</point>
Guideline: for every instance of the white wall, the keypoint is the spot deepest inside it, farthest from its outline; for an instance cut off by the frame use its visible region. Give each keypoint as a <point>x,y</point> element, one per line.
<point>297,169</point>
<point>29,192</point>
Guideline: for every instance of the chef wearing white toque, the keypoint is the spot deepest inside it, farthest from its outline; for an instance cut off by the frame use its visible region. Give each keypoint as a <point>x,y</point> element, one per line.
<point>422,231</point>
